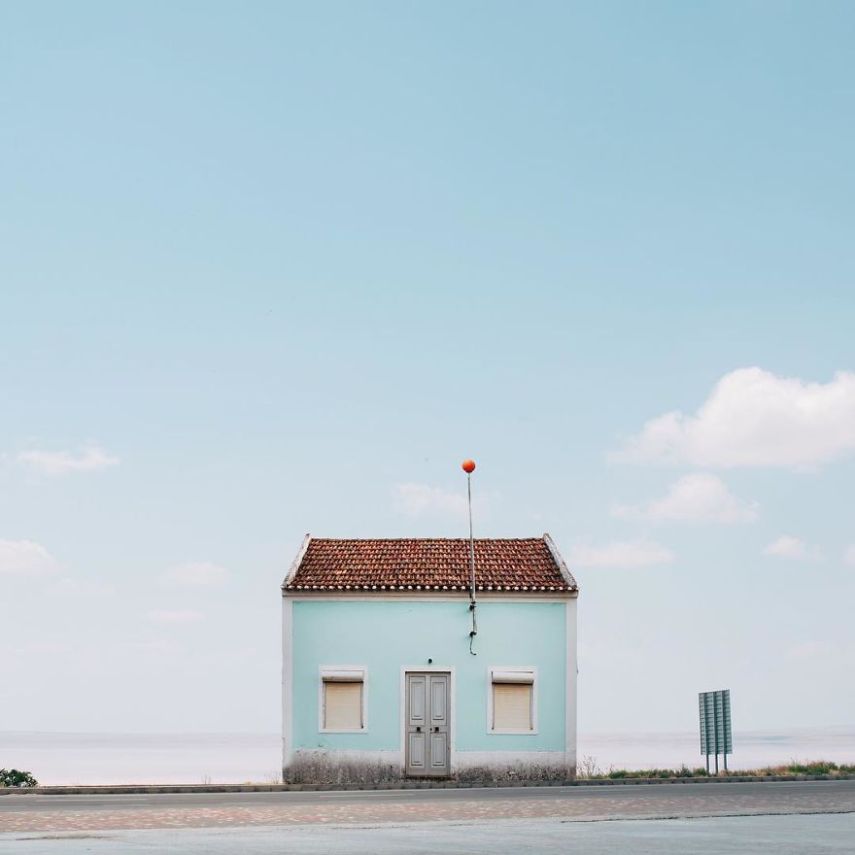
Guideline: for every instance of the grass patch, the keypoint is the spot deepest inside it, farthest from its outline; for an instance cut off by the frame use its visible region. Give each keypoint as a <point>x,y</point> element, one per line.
<point>682,772</point>
<point>812,767</point>
<point>588,769</point>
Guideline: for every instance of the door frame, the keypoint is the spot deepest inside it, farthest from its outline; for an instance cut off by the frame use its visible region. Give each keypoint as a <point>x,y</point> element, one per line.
<point>452,710</point>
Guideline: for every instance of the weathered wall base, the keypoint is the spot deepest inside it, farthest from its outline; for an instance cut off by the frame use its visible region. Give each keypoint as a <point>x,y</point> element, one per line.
<point>513,766</point>
<point>322,766</point>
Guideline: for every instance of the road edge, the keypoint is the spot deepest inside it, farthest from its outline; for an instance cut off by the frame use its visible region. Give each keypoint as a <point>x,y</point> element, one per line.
<point>147,789</point>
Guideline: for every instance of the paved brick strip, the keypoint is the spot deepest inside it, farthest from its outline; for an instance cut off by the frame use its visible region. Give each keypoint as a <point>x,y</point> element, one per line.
<point>572,807</point>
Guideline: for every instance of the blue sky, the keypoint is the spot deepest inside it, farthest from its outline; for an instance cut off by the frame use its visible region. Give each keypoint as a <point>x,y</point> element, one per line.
<point>272,268</point>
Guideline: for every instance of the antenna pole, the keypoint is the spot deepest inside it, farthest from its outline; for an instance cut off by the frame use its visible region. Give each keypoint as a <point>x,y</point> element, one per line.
<point>471,541</point>
<point>469,467</point>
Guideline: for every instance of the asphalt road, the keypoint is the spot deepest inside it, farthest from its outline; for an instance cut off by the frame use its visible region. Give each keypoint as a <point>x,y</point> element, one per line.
<point>708,819</point>
<point>783,792</point>
<point>41,813</point>
<point>819,834</point>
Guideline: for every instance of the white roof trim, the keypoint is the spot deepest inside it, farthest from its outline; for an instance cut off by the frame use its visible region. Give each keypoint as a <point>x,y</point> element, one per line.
<point>562,567</point>
<point>295,564</point>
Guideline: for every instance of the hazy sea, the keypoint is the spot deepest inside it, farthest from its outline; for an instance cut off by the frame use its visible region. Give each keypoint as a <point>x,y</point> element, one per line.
<point>181,758</point>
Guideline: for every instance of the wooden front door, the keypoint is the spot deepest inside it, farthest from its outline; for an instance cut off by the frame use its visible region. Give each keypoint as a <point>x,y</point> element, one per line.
<point>428,715</point>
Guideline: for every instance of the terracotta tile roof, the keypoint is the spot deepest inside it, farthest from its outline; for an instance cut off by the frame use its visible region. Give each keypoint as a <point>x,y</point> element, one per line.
<point>514,565</point>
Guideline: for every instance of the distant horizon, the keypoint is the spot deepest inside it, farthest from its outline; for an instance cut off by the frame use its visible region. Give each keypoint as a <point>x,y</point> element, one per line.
<point>236,758</point>
<point>848,728</point>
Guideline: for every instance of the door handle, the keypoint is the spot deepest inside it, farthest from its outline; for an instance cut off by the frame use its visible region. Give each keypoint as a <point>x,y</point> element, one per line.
<point>436,730</point>
<point>418,730</point>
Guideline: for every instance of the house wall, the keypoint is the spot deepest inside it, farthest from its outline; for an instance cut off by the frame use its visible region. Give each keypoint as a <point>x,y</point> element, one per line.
<point>387,637</point>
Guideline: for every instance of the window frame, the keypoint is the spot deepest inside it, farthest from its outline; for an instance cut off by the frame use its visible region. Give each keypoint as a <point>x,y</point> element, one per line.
<point>524,674</point>
<point>342,674</point>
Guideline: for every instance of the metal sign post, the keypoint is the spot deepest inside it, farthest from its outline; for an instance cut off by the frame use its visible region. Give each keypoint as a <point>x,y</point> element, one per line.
<point>716,730</point>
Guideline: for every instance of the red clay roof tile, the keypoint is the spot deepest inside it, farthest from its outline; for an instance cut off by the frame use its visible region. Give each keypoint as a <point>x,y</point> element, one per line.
<point>515,565</point>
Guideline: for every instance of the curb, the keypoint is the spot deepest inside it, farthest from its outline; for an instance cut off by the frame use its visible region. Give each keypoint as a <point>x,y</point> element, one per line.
<point>155,789</point>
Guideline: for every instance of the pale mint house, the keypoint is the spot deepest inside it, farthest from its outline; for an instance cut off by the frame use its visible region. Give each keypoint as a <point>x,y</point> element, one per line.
<point>383,680</point>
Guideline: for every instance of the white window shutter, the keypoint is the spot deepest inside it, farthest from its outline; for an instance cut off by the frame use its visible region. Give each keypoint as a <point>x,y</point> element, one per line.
<point>342,705</point>
<point>512,706</point>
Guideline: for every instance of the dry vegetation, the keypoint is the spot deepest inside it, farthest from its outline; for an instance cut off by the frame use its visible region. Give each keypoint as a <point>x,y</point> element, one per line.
<point>587,769</point>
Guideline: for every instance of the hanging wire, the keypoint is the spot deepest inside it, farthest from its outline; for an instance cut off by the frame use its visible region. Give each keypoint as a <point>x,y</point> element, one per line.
<point>472,604</point>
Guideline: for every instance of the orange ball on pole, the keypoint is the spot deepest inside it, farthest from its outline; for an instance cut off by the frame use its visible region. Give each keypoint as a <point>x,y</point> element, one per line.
<point>468,466</point>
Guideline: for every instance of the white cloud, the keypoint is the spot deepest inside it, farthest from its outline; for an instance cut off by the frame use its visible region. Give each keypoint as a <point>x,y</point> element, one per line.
<point>63,462</point>
<point>849,555</point>
<point>701,497</point>
<point>174,616</point>
<point>196,574</point>
<point>755,418</point>
<point>82,588</point>
<point>638,553</point>
<point>791,548</point>
<point>821,651</point>
<point>25,558</point>
<point>158,646</point>
<point>417,500</point>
